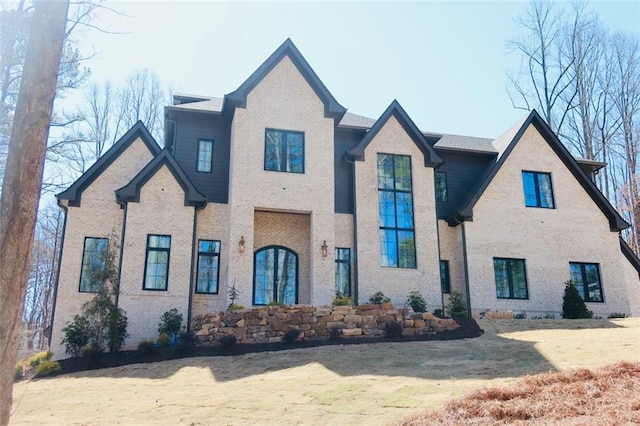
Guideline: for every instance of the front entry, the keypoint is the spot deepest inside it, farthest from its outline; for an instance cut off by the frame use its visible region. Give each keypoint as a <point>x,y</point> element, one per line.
<point>275,276</point>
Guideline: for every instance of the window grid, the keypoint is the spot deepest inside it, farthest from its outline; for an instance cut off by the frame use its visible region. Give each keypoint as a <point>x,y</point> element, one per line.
<point>284,151</point>
<point>586,278</point>
<point>538,190</point>
<point>156,269</point>
<point>511,278</point>
<point>208,271</point>
<point>395,208</point>
<point>94,263</point>
<point>205,156</point>
<point>442,193</point>
<point>343,272</point>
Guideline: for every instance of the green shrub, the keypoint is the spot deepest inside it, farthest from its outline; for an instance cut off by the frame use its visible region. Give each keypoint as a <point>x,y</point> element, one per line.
<point>335,332</point>
<point>91,350</point>
<point>235,307</point>
<point>393,329</point>
<point>164,339</point>
<point>416,301</point>
<point>37,359</point>
<point>188,338</point>
<point>170,322</point>
<point>341,301</point>
<point>227,341</point>
<point>48,368</point>
<point>291,336</point>
<point>378,298</point>
<point>457,307</point>
<point>77,334</point>
<point>17,372</point>
<point>617,315</point>
<point>438,312</point>
<point>573,307</point>
<point>146,347</point>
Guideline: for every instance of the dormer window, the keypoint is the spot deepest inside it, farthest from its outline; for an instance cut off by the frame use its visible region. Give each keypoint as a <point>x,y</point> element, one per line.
<point>284,151</point>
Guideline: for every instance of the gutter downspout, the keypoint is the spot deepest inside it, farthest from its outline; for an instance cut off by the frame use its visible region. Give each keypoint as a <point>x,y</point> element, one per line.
<point>123,205</point>
<point>355,231</point>
<point>55,287</point>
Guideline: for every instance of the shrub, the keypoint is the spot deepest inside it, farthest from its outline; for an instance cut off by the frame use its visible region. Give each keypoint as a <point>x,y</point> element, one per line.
<point>188,338</point>
<point>164,339</point>
<point>617,315</point>
<point>170,322</point>
<point>17,372</point>
<point>573,307</point>
<point>457,307</point>
<point>438,312</point>
<point>39,358</point>
<point>291,336</point>
<point>146,347</point>
<point>521,315</point>
<point>90,350</point>
<point>393,329</point>
<point>77,334</point>
<point>341,301</point>
<point>227,341</point>
<point>417,302</point>
<point>335,332</point>
<point>48,368</point>
<point>378,298</point>
<point>234,307</point>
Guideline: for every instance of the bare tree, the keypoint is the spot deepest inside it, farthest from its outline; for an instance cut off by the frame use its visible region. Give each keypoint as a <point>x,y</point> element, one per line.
<point>142,98</point>
<point>23,178</point>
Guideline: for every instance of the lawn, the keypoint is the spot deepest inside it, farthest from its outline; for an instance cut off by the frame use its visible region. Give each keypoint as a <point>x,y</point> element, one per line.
<point>360,384</point>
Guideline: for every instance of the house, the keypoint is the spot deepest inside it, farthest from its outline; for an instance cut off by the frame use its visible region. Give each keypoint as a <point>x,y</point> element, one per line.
<point>278,191</point>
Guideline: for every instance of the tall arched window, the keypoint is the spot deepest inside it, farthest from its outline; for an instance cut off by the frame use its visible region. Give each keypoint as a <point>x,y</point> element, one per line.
<point>275,276</point>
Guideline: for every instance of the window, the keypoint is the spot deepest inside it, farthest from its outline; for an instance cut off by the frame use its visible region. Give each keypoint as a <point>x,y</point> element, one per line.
<point>441,187</point>
<point>511,278</point>
<point>284,151</point>
<point>205,156</point>
<point>395,207</point>
<point>156,269</point>
<point>275,276</point>
<point>445,281</point>
<point>208,266</point>
<point>94,263</point>
<point>586,278</point>
<point>537,190</point>
<point>343,271</point>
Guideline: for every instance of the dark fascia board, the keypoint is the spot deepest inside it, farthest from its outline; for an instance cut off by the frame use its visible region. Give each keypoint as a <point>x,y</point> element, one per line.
<point>74,192</point>
<point>630,255</point>
<point>465,151</point>
<point>238,98</point>
<point>616,222</point>
<point>431,157</point>
<point>131,192</point>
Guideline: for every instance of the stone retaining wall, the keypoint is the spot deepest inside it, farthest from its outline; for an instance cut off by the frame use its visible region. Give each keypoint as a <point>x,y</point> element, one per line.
<point>269,324</point>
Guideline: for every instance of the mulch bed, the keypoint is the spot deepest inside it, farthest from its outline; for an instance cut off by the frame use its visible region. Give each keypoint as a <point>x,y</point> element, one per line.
<point>468,329</point>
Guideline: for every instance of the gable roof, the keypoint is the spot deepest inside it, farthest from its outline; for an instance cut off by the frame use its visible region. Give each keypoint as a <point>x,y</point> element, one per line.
<point>74,192</point>
<point>630,255</point>
<point>508,141</point>
<point>131,192</point>
<point>238,98</point>
<point>431,157</point>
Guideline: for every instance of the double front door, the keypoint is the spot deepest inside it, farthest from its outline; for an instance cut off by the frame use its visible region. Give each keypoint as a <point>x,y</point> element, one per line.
<point>275,276</point>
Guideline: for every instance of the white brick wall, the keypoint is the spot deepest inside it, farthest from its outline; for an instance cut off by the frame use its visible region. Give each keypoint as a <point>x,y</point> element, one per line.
<point>396,283</point>
<point>575,231</point>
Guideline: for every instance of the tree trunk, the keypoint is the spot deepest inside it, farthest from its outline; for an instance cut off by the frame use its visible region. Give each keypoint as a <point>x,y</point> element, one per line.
<point>23,178</point>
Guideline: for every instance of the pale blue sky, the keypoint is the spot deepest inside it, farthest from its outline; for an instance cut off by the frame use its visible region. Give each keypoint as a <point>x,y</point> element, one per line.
<point>444,61</point>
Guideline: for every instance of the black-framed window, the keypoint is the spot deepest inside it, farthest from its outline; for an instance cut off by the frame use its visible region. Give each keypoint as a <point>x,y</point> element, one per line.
<point>208,266</point>
<point>284,151</point>
<point>441,186</point>
<point>586,278</point>
<point>94,263</point>
<point>275,276</point>
<point>395,208</point>
<point>205,156</point>
<point>538,191</point>
<point>511,278</point>
<point>343,271</point>
<point>445,278</point>
<point>156,268</point>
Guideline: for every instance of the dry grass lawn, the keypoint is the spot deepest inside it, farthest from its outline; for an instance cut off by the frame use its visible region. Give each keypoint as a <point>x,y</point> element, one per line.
<point>361,384</point>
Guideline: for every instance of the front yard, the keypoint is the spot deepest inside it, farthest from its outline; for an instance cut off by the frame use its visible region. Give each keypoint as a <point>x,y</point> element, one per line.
<point>351,384</point>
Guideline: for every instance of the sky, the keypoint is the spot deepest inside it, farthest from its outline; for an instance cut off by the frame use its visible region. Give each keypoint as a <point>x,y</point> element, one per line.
<point>445,62</point>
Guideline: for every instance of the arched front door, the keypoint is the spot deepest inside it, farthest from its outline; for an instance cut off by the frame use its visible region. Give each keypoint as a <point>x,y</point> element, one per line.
<point>275,276</point>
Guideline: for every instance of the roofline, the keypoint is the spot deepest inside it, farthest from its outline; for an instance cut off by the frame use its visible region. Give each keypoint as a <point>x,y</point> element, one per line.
<point>238,98</point>
<point>630,255</point>
<point>176,108</point>
<point>616,222</point>
<point>74,193</point>
<point>465,150</point>
<point>431,157</point>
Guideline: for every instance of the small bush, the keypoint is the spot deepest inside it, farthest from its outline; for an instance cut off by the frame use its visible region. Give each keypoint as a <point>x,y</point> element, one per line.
<point>573,307</point>
<point>76,335</point>
<point>48,368</point>
<point>188,338</point>
<point>170,322</point>
<point>341,301</point>
<point>227,341</point>
<point>393,329</point>
<point>147,347</point>
<point>457,307</point>
<point>617,315</point>
<point>17,372</point>
<point>438,312</point>
<point>90,350</point>
<point>378,298</point>
<point>335,332</point>
<point>520,315</point>
<point>235,307</point>
<point>416,301</point>
<point>39,358</point>
<point>164,339</point>
<point>291,336</point>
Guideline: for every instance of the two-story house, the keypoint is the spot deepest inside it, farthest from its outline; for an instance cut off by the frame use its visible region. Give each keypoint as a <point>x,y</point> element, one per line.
<point>277,190</point>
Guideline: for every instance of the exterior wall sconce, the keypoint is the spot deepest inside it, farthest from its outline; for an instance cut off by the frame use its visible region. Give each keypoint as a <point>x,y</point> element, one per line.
<point>323,249</point>
<point>241,245</point>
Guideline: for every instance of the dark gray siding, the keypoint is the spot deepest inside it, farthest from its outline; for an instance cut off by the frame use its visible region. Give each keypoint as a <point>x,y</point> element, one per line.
<point>464,172</point>
<point>192,127</point>
<point>344,140</point>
